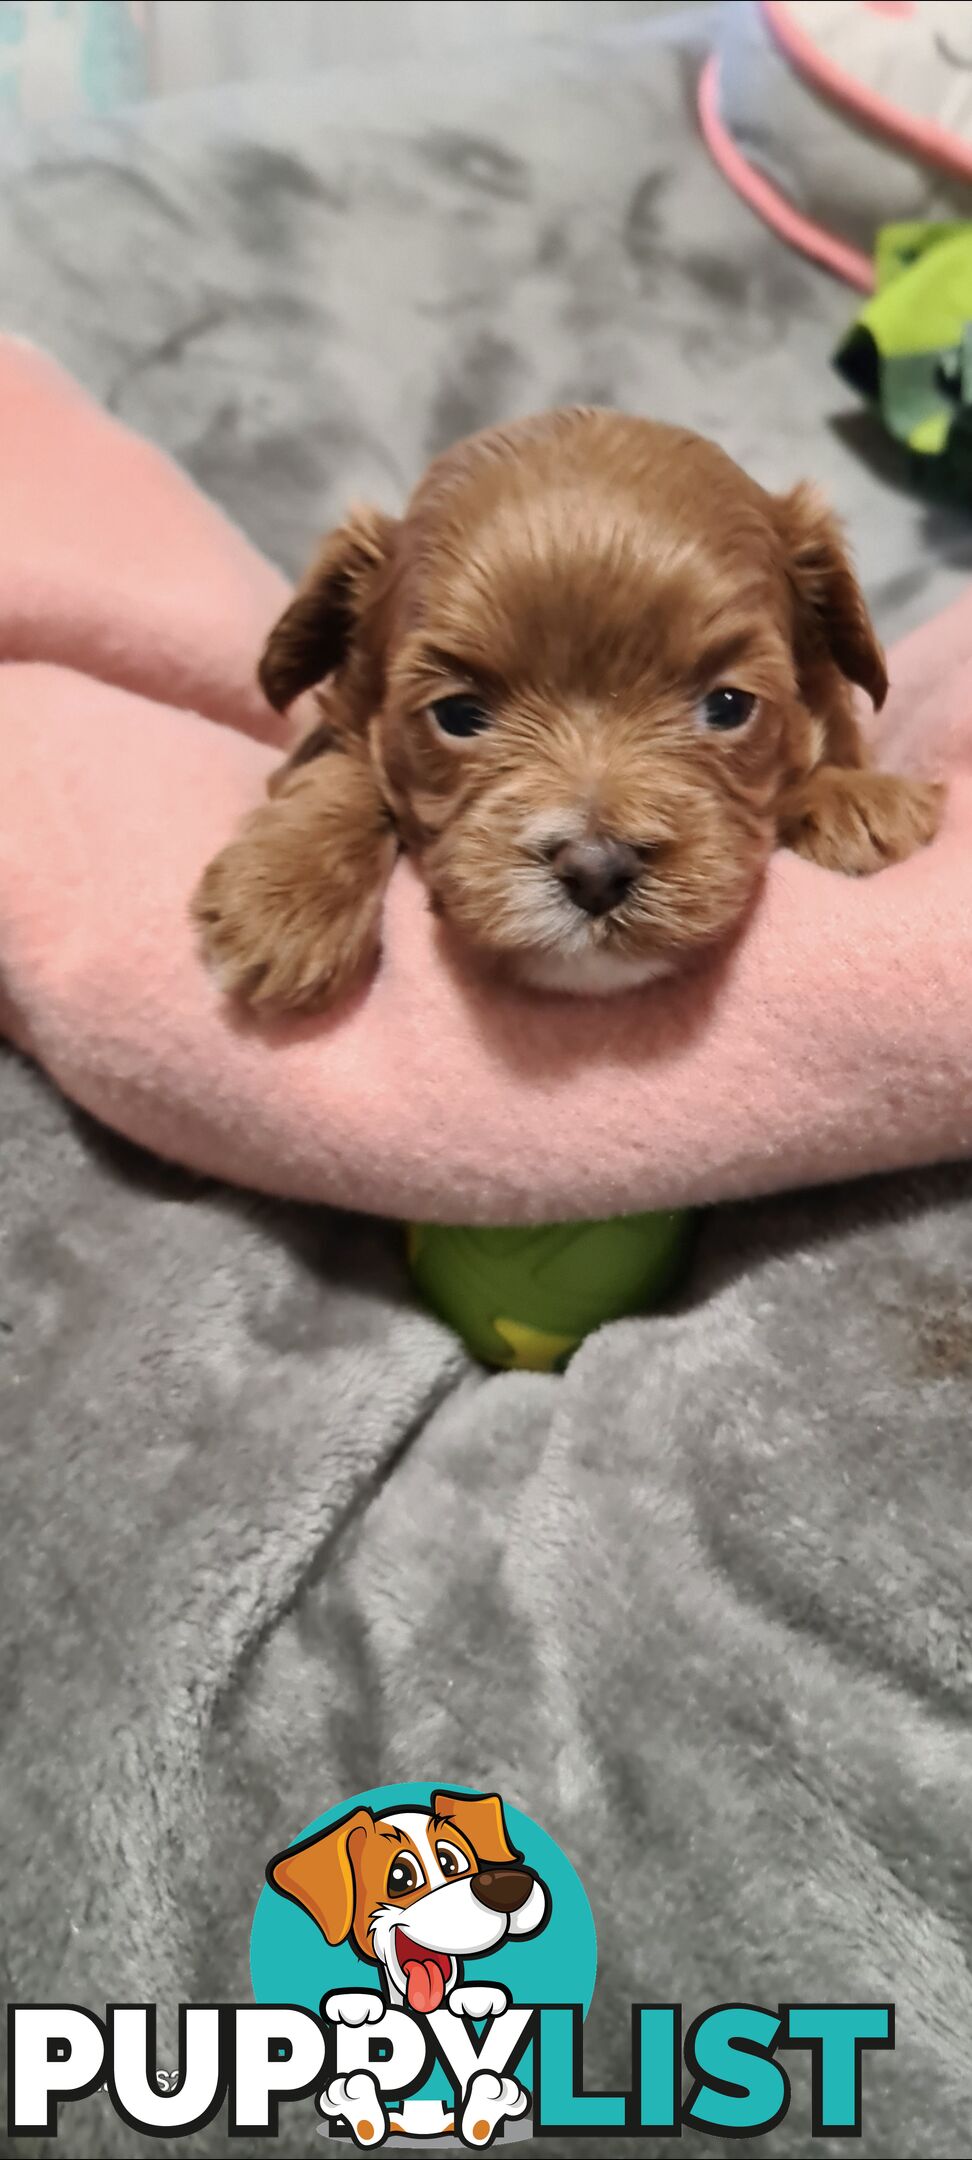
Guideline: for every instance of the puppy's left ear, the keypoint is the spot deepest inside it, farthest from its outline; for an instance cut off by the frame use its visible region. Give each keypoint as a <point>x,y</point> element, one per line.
<point>481,1821</point>
<point>330,608</point>
<point>830,609</point>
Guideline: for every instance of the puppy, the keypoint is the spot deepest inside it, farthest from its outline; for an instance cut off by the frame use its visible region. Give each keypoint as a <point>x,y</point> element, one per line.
<point>590,680</point>
<point>419,1892</point>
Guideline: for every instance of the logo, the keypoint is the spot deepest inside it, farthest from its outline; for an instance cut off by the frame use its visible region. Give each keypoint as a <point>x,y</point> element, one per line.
<point>423,1960</point>
<point>426,1926</point>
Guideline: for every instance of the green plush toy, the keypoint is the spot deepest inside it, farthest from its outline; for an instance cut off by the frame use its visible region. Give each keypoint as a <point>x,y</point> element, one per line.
<point>909,350</point>
<point>527,1298</point>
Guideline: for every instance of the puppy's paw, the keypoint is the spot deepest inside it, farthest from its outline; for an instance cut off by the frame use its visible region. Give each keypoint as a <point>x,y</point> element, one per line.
<point>481,1999</point>
<point>283,922</point>
<point>276,943</point>
<point>858,821</point>
<point>359,2101</point>
<point>354,2006</point>
<point>489,2101</point>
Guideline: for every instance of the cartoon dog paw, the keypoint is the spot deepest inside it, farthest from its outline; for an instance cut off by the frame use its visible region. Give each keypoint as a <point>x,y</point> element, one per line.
<point>357,2098</point>
<point>355,2006</point>
<point>490,2100</point>
<point>482,2001</point>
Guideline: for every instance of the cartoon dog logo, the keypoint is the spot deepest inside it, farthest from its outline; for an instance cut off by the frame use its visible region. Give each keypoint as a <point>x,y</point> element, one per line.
<point>418,1891</point>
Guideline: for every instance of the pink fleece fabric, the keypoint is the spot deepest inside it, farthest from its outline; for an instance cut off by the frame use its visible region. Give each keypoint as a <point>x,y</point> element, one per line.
<point>836,1038</point>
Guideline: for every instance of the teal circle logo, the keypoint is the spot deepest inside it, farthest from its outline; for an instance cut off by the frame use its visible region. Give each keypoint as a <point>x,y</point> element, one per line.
<point>292,1960</point>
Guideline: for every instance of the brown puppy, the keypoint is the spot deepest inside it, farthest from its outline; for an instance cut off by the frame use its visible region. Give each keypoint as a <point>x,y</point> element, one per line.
<point>590,680</point>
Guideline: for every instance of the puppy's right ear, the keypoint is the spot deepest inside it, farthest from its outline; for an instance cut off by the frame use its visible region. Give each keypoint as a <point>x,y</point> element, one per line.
<point>481,1820</point>
<point>316,632</point>
<point>319,1874</point>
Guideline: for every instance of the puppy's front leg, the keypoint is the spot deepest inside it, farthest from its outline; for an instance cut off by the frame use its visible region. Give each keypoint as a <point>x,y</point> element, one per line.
<point>289,914</point>
<point>856,820</point>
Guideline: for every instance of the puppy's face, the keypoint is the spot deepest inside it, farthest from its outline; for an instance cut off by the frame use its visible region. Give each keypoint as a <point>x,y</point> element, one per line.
<point>600,657</point>
<point>418,1890</point>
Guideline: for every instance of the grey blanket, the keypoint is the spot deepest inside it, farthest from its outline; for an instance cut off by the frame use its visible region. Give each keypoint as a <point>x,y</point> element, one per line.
<point>266,1537</point>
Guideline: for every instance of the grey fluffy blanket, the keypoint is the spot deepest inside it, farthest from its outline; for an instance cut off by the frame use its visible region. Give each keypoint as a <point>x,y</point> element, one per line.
<point>266,1537</point>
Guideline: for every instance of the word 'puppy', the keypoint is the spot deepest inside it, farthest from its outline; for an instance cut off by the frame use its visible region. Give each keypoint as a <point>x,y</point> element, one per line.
<point>590,680</point>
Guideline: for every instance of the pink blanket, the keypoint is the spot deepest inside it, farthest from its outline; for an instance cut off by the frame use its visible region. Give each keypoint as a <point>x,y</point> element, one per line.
<point>836,1038</point>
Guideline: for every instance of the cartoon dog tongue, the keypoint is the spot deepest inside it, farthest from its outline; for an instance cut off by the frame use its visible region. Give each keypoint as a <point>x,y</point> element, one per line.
<point>424,1983</point>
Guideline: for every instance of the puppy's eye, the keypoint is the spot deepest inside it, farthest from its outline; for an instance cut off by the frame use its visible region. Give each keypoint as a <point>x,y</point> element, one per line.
<point>460,716</point>
<point>404,1875</point>
<point>450,1859</point>
<point>727,708</point>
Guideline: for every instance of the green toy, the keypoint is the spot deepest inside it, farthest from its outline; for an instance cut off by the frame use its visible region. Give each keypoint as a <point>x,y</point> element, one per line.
<point>527,1298</point>
<point>908,352</point>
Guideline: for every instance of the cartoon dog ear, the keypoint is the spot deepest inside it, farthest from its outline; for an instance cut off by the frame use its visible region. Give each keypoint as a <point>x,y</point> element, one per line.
<point>481,1821</point>
<point>315,633</point>
<point>319,1874</point>
<point>831,610</point>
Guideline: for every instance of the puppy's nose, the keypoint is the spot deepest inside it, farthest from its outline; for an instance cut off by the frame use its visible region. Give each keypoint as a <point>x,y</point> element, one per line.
<point>597,874</point>
<point>502,1889</point>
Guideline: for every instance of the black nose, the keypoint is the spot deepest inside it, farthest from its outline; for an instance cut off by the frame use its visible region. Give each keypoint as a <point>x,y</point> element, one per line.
<point>502,1889</point>
<point>597,874</point>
